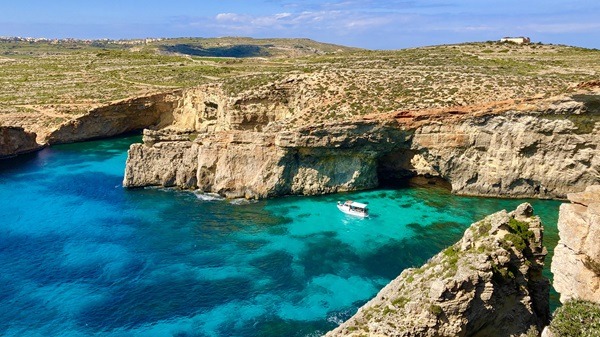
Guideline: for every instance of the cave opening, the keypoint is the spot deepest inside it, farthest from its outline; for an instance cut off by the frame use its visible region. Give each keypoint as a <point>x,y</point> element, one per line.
<point>397,169</point>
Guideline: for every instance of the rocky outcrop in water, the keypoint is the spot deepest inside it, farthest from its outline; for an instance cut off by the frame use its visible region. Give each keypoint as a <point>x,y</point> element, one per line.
<point>313,160</point>
<point>489,283</point>
<point>15,140</point>
<point>576,261</point>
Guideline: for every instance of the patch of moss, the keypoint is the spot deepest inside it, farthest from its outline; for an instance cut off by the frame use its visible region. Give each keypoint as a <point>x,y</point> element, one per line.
<point>519,234</point>
<point>451,254</point>
<point>576,318</point>
<point>400,302</point>
<point>501,275</point>
<point>435,309</point>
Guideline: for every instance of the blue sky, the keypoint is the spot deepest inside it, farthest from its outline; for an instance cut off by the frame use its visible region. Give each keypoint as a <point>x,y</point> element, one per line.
<point>374,24</point>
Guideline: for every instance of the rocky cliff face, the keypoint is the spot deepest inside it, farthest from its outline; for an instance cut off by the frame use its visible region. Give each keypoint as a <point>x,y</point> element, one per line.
<point>204,109</point>
<point>313,160</point>
<point>118,118</point>
<point>543,151</point>
<point>516,154</point>
<point>487,284</point>
<point>576,261</point>
<point>15,140</point>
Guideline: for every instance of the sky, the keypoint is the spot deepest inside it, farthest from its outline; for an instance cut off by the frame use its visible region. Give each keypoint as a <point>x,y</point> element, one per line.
<point>372,24</point>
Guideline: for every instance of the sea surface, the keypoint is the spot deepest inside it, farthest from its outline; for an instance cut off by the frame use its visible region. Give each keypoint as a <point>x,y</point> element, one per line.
<point>82,256</point>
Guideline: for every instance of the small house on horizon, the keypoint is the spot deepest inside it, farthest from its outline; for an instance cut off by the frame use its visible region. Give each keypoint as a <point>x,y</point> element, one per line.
<point>517,40</point>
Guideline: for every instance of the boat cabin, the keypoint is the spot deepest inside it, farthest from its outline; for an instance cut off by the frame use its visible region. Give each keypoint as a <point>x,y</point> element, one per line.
<point>353,208</point>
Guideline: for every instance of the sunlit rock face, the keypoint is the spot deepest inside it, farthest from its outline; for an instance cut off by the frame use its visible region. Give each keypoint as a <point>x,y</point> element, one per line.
<point>489,283</point>
<point>576,261</point>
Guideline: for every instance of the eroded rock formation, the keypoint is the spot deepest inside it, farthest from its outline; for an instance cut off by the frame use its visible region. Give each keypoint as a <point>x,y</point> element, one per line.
<point>544,150</point>
<point>516,154</point>
<point>15,140</point>
<point>576,261</point>
<point>489,283</point>
<point>312,160</point>
<point>118,118</point>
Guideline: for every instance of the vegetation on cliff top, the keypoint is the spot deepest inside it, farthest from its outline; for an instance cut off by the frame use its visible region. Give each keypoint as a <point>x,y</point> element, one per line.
<point>576,318</point>
<point>55,81</point>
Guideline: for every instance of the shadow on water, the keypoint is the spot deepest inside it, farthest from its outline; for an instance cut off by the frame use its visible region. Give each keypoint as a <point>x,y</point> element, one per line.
<point>324,255</point>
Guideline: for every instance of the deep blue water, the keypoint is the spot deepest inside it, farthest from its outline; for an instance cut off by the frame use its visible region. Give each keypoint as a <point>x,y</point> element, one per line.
<point>81,256</point>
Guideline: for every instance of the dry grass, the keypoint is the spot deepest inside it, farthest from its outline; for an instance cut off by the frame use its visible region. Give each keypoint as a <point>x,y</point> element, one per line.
<point>48,83</point>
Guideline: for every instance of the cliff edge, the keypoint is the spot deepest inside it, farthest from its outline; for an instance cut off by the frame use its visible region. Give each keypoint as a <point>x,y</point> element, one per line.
<point>15,140</point>
<point>576,261</point>
<point>540,149</point>
<point>489,283</point>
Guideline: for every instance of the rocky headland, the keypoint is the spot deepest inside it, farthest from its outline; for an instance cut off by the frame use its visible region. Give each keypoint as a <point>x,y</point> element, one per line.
<point>489,283</point>
<point>15,140</point>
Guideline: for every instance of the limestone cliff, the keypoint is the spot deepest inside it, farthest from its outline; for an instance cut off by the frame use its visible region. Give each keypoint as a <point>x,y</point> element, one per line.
<point>576,261</point>
<point>118,118</point>
<point>545,150</point>
<point>15,140</point>
<point>312,160</point>
<point>489,283</point>
<point>515,154</point>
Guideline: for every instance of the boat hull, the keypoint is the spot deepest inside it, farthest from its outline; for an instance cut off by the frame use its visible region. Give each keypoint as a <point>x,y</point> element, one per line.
<point>347,210</point>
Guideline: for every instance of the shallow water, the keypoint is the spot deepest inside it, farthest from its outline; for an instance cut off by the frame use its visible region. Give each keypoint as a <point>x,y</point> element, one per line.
<point>82,256</point>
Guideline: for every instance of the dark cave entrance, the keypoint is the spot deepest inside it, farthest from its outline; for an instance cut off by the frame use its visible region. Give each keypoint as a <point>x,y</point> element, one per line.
<point>396,170</point>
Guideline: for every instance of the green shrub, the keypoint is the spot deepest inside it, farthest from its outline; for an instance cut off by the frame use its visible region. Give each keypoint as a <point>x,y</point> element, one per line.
<point>576,318</point>
<point>519,234</point>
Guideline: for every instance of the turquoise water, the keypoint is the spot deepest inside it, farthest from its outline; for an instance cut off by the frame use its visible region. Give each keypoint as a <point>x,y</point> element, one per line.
<point>82,256</point>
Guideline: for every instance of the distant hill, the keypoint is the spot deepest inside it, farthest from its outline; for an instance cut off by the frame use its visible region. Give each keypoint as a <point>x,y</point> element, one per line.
<point>241,47</point>
<point>235,47</point>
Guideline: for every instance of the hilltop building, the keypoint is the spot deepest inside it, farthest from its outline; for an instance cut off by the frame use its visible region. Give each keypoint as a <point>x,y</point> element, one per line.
<point>517,40</point>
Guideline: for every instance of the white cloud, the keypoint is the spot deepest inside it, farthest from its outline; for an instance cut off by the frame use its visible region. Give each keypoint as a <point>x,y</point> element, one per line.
<point>231,17</point>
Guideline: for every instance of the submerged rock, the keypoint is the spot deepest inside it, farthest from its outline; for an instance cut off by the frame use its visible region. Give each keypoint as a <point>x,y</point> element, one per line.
<point>489,283</point>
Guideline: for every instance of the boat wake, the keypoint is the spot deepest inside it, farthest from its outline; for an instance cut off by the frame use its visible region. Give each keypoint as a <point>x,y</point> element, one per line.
<point>208,196</point>
<point>242,201</point>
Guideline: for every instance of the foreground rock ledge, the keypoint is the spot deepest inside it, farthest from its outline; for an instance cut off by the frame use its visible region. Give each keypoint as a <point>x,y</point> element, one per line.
<point>489,283</point>
<point>576,261</point>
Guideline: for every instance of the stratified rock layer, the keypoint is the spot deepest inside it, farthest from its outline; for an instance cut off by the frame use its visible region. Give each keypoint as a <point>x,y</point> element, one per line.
<point>15,140</point>
<point>516,154</point>
<point>312,160</point>
<point>543,151</point>
<point>118,118</point>
<point>489,283</point>
<point>576,261</point>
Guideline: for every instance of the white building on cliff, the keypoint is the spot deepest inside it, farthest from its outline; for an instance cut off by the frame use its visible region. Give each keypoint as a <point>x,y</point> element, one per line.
<point>517,40</point>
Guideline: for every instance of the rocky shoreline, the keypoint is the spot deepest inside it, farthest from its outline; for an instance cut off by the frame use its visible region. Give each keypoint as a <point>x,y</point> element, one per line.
<point>489,283</point>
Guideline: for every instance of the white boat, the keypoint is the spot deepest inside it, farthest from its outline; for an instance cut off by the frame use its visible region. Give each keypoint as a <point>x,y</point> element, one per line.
<point>353,208</point>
